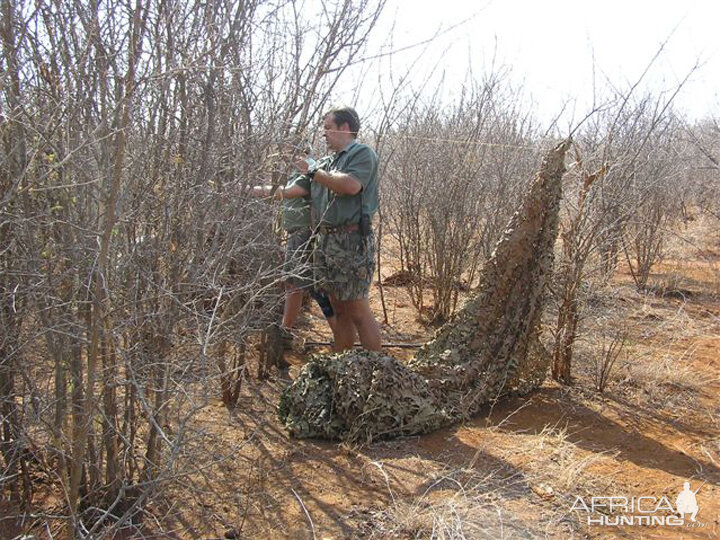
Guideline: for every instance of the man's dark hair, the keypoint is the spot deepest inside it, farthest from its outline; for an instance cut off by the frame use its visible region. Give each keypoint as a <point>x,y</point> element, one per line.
<point>342,115</point>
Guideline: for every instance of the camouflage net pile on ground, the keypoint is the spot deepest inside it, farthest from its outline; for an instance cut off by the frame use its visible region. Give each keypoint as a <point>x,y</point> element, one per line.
<point>491,347</point>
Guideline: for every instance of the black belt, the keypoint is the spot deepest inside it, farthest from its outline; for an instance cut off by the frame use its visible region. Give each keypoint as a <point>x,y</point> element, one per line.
<point>325,229</point>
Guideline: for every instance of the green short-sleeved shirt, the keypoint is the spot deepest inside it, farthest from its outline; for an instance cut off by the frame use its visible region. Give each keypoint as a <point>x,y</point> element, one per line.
<point>296,212</point>
<point>361,162</point>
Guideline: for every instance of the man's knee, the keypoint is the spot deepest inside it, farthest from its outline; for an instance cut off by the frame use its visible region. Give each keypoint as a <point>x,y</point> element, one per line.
<point>359,310</point>
<point>340,308</point>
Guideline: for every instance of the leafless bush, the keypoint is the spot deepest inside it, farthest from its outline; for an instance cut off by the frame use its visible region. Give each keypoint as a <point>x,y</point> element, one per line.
<point>131,258</point>
<point>702,173</point>
<point>625,164</point>
<point>449,186</point>
<point>653,201</point>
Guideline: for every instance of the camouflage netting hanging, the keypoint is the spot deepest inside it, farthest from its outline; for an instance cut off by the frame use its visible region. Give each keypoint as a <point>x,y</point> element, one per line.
<point>489,348</point>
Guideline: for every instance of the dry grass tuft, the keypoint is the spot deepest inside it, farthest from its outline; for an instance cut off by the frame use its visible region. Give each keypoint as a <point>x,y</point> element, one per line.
<point>450,510</point>
<point>668,382</point>
<point>454,517</point>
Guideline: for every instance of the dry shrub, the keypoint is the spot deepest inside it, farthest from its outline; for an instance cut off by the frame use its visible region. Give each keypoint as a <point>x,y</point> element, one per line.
<point>131,254</point>
<point>450,184</point>
<point>606,358</point>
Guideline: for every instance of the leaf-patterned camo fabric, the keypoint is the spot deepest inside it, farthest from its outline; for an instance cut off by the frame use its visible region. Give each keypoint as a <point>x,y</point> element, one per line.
<point>359,396</point>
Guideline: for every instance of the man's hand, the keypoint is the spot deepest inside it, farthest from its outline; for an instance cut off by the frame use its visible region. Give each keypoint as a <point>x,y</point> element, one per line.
<point>341,183</point>
<point>260,192</point>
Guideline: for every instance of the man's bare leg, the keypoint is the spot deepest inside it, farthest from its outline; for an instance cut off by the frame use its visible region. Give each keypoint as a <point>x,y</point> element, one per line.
<point>332,323</point>
<point>366,325</point>
<point>293,304</point>
<point>352,316</point>
<point>344,328</point>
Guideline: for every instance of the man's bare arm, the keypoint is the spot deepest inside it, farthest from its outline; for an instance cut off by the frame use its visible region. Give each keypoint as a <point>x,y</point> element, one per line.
<point>293,192</point>
<point>339,182</point>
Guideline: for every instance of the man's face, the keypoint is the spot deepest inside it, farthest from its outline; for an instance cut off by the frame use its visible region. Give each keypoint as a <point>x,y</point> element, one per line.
<point>335,136</point>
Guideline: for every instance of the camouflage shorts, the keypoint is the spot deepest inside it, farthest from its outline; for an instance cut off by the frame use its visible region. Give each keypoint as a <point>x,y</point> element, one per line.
<point>344,264</point>
<point>296,269</point>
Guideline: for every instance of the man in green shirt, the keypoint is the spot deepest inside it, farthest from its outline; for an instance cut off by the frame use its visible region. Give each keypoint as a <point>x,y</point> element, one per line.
<point>345,198</point>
